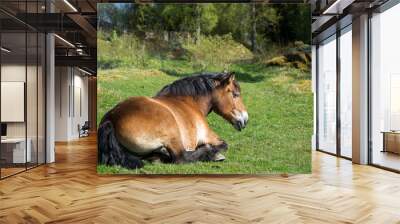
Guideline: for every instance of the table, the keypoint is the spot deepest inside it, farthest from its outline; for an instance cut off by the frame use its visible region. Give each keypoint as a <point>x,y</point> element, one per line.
<point>13,150</point>
<point>391,141</point>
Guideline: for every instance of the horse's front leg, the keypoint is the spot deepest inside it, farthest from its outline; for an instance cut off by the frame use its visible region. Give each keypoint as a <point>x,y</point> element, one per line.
<point>202,153</point>
<point>210,151</point>
<point>179,154</point>
<point>218,144</point>
<point>159,155</point>
<point>218,157</point>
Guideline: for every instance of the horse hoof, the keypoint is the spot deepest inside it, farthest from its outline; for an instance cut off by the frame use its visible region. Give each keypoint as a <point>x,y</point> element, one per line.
<point>219,157</point>
<point>156,161</point>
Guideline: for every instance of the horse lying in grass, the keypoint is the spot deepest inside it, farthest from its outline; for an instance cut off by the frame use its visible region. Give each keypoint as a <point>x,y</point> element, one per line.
<point>172,126</point>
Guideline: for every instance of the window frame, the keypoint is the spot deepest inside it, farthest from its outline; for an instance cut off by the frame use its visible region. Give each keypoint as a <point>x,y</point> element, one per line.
<point>339,32</point>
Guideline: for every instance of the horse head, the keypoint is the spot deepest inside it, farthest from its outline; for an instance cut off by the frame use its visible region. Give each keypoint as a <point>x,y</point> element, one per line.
<point>227,101</point>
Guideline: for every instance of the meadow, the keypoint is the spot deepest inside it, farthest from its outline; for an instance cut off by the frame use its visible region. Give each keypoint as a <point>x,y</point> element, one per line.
<point>276,92</point>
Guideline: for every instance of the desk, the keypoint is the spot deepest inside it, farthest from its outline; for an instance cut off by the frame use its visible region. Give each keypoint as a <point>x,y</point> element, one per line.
<point>13,150</point>
<point>391,141</point>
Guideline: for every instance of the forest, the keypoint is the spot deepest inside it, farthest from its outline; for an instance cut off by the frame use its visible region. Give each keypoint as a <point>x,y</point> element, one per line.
<point>253,25</point>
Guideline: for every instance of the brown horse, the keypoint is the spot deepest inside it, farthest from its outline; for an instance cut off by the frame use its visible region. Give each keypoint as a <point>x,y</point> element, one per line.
<point>172,126</point>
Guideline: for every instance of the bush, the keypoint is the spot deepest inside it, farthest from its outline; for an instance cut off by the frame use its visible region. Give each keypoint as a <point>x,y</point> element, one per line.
<point>277,61</point>
<point>210,53</point>
<point>298,56</point>
<point>217,52</point>
<point>125,50</point>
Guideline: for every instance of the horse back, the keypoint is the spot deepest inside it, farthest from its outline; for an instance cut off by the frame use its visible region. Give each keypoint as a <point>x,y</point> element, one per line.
<point>144,124</point>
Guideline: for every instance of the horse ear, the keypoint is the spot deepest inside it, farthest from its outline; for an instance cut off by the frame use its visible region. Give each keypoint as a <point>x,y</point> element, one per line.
<point>231,77</point>
<point>227,78</point>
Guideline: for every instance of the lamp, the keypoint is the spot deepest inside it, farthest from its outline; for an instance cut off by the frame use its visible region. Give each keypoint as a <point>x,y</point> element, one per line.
<point>70,5</point>
<point>337,7</point>
<point>5,50</point>
<point>65,41</point>
<point>84,71</point>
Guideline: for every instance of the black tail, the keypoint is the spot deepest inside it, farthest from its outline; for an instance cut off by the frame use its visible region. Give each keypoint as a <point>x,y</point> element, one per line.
<point>111,152</point>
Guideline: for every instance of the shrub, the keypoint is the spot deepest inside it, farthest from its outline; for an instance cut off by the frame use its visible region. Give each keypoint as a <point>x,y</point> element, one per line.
<point>217,52</point>
<point>125,50</point>
<point>277,61</point>
<point>298,56</point>
<point>210,53</point>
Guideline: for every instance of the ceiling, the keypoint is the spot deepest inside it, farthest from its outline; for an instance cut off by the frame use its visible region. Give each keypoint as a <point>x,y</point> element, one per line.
<point>74,22</point>
<point>328,16</point>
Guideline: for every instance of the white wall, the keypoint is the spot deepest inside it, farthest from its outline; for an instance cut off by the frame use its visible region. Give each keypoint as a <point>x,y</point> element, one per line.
<point>62,81</point>
<point>70,83</point>
<point>16,73</point>
<point>13,100</point>
<point>33,126</point>
<point>9,73</point>
<point>80,94</point>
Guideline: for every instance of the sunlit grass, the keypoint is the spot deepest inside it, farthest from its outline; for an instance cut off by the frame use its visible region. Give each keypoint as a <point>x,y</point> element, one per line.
<point>278,99</point>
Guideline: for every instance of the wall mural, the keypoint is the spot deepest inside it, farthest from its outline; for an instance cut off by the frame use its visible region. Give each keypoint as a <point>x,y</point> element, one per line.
<point>204,88</point>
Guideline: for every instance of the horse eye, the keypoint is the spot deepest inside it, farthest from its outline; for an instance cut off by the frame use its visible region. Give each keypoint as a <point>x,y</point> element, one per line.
<point>235,94</point>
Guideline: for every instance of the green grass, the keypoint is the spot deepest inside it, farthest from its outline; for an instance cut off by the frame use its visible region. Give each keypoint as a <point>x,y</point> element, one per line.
<point>278,99</point>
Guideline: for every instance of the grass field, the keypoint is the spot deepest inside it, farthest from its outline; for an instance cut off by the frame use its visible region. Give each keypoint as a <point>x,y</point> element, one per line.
<point>279,102</point>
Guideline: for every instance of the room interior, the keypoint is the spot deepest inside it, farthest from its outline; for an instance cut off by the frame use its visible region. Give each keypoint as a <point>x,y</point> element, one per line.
<point>367,29</point>
<point>22,105</point>
<point>29,59</point>
<point>52,83</point>
<point>385,89</point>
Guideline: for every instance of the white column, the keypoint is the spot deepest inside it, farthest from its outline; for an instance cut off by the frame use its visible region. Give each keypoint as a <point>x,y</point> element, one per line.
<point>314,90</point>
<point>62,103</point>
<point>50,93</point>
<point>360,90</point>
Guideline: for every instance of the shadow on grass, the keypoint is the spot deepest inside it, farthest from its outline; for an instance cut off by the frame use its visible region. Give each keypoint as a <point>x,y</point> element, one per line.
<point>240,76</point>
<point>246,77</point>
<point>174,73</point>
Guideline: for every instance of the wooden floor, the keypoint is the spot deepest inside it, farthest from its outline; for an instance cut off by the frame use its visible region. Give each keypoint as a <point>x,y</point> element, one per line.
<point>5,172</point>
<point>70,191</point>
<point>387,159</point>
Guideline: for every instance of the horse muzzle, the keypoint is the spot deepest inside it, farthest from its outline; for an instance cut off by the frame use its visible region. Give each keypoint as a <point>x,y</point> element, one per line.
<point>241,118</point>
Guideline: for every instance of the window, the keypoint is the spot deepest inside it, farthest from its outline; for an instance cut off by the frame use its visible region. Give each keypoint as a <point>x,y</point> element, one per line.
<point>385,89</point>
<point>346,92</point>
<point>22,78</point>
<point>327,95</point>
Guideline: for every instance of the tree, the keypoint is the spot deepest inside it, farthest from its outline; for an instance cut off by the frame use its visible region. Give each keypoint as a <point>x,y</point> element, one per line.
<point>256,25</point>
<point>190,17</point>
<point>267,24</point>
<point>249,24</point>
<point>107,16</point>
<point>233,19</point>
<point>253,27</point>
<point>295,23</point>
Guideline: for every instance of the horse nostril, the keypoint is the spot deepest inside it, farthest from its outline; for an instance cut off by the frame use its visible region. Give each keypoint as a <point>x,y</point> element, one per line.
<point>244,122</point>
<point>238,125</point>
<point>245,117</point>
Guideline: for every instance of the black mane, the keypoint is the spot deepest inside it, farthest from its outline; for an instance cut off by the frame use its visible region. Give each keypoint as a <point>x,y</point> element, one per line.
<point>196,85</point>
